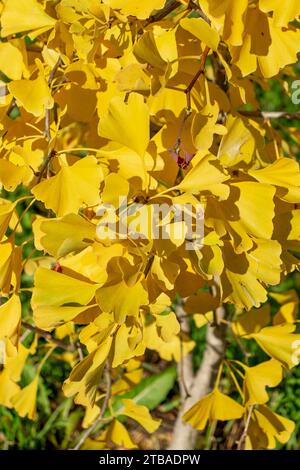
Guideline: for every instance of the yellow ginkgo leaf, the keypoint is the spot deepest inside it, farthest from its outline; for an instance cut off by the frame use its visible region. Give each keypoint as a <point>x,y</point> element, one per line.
<point>127,123</point>
<point>175,348</point>
<point>205,175</point>
<point>201,303</point>
<point>54,288</point>
<point>265,45</point>
<point>252,321</point>
<point>140,414</point>
<point>25,155</point>
<point>51,316</point>
<point>205,126</point>
<point>24,15</point>
<point>115,189</point>
<point>12,175</point>
<point>288,311</point>
<point>280,343</point>
<point>250,200</point>
<point>16,363</point>
<point>72,187</point>
<point>6,212</point>
<point>283,13</point>
<point>146,51</point>
<point>24,401</point>
<point>257,378</point>
<point>168,326</point>
<point>199,28</point>
<point>10,318</point>
<point>86,375</point>
<point>11,61</point>
<point>63,235</point>
<point>8,388</point>
<point>164,272</point>
<point>133,376</point>
<point>202,320</point>
<point>65,330</point>
<point>118,434</point>
<point>283,173</point>
<point>266,427</point>
<point>122,300</point>
<point>237,145</point>
<point>33,95</point>
<point>129,342</point>
<point>141,10</point>
<point>229,15</point>
<point>10,266</point>
<point>213,407</point>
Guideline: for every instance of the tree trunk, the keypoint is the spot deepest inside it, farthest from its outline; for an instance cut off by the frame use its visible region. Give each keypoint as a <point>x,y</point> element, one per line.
<point>184,436</point>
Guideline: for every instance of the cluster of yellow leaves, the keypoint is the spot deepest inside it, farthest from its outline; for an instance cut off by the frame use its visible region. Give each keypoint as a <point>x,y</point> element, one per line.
<point>99,100</point>
<point>264,426</point>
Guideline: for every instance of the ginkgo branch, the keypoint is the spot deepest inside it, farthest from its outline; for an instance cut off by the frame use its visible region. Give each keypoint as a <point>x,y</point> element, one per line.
<point>188,109</point>
<point>271,114</point>
<point>45,165</point>
<point>46,335</point>
<point>148,265</point>
<point>50,152</point>
<point>50,80</point>
<point>196,77</point>
<point>160,15</point>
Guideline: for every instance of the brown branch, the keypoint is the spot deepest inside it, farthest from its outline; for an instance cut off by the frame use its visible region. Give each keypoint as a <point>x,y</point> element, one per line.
<point>47,116</point>
<point>270,114</point>
<point>198,74</point>
<point>149,265</point>
<point>187,92</point>
<point>46,335</point>
<point>160,15</point>
<point>53,71</point>
<point>89,431</point>
<point>49,157</point>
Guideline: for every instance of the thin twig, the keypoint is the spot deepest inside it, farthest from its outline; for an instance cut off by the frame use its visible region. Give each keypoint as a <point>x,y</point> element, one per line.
<point>198,74</point>
<point>46,335</point>
<point>241,443</point>
<point>79,350</point>
<point>188,109</point>
<point>50,152</point>
<point>270,114</point>
<point>185,368</point>
<point>89,431</point>
<point>50,155</point>
<point>149,265</point>
<point>53,71</point>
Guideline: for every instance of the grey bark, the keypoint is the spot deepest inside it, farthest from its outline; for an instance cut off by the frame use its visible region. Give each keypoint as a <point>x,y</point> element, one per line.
<point>184,436</point>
